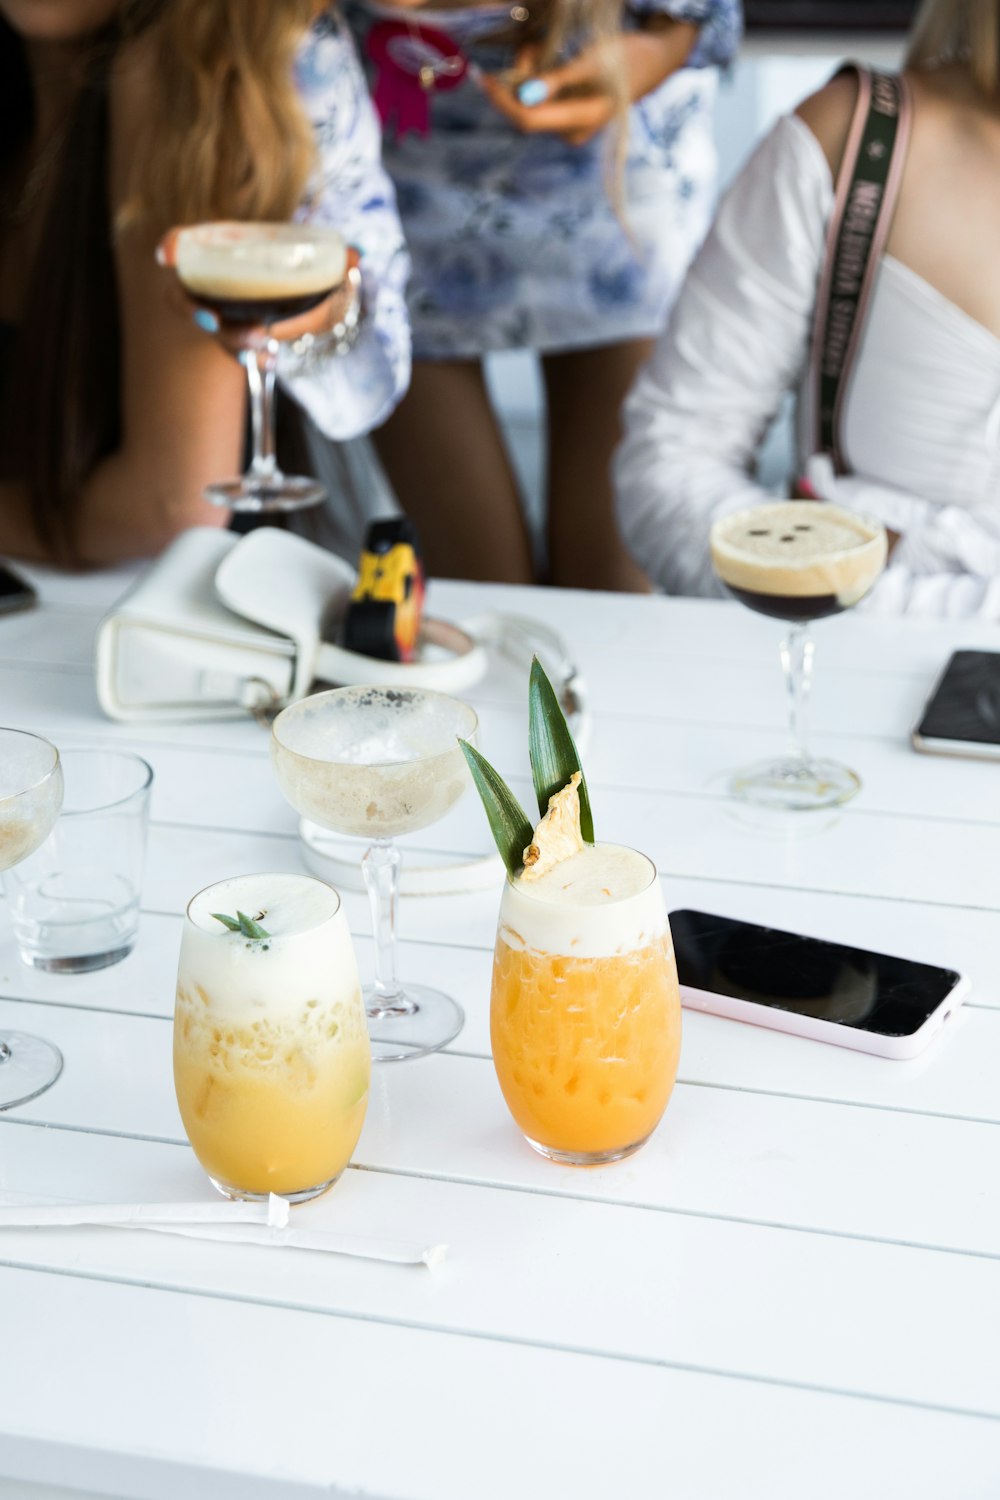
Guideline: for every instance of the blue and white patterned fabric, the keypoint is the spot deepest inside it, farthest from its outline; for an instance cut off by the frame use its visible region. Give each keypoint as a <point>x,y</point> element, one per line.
<point>514,238</point>
<point>350,394</point>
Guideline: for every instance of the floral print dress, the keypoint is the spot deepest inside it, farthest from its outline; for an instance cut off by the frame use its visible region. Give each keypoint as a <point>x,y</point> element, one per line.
<point>348,395</point>
<point>514,238</point>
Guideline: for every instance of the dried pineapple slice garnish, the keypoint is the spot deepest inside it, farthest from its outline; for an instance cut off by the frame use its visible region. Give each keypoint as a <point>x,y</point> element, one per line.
<point>558,835</point>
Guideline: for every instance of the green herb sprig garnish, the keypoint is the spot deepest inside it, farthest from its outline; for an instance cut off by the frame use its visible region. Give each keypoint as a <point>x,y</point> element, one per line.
<point>243,924</point>
<point>554,759</point>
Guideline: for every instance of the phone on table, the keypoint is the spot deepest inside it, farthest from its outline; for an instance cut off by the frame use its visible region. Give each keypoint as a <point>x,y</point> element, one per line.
<point>869,1001</point>
<point>962,715</point>
<point>15,592</point>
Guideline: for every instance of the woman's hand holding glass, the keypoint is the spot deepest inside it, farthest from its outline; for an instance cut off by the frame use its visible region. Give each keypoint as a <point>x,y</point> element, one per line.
<point>256,286</point>
<point>326,317</point>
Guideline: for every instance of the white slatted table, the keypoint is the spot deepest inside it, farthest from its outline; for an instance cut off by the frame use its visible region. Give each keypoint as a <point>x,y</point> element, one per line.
<point>793,1290</point>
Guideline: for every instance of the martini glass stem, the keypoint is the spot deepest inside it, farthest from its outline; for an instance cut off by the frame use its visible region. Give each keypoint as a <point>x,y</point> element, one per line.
<point>261,362</point>
<point>4,1052</point>
<point>797,660</point>
<point>380,868</point>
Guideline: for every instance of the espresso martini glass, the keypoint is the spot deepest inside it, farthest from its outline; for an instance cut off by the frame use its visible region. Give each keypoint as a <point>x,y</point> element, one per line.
<point>797,561</point>
<point>375,763</point>
<point>31,793</point>
<point>256,275</point>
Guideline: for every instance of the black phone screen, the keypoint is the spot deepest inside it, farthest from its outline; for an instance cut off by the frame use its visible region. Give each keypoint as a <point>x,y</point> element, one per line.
<point>782,970</point>
<point>15,592</point>
<point>965,705</point>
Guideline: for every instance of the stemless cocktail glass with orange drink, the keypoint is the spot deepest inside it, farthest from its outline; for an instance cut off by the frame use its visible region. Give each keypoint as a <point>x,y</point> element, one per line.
<point>585,1017</point>
<point>271,1056</point>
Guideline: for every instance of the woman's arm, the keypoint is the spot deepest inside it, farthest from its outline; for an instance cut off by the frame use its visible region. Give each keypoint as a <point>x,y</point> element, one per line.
<point>351,393</point>
<point>736,343</point>
<point>719,25</point>
<point>579,98</point>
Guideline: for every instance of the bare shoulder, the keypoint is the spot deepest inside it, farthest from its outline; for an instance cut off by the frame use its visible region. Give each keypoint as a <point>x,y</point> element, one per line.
<point>828,115</point>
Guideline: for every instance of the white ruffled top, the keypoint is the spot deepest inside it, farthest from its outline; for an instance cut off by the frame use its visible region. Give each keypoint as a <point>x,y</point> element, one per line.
<point>921,419</point>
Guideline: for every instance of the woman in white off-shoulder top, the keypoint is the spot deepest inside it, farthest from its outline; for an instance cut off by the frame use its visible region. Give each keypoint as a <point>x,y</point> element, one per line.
<point>920,429</point>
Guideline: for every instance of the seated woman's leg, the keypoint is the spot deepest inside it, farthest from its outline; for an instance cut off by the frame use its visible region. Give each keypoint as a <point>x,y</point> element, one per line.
<point>585,390</point>
<point>444,455</point>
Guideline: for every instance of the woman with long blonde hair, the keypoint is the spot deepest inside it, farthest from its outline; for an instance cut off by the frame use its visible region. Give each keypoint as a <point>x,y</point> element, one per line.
<point>554,164</point>
<point>917,443</point>
<point>120,119</point>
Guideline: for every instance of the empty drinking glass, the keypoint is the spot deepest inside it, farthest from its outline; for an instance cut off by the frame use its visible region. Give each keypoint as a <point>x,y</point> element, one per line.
<point>74,903</point>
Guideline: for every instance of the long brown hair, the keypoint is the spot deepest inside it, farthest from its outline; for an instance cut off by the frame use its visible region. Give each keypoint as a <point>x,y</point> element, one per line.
<point>963,31</point>
<point>225,137</point>
<point>226,134</point>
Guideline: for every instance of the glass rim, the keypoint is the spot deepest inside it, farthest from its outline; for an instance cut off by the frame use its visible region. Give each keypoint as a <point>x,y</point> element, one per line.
<point>281,231</point>
<point>29,734</point>
<point>513,882</point>
<point>267,875</point>
<point>369,765</point>
<point>126,797</point>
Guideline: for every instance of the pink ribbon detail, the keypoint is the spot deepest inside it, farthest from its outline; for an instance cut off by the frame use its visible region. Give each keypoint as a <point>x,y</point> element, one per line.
<point>405,54</point>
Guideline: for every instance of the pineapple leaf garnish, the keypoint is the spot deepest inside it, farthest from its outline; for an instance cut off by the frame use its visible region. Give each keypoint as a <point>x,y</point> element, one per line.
<point>241,923</point>
<point>507,819</point>
<point>554,756</point>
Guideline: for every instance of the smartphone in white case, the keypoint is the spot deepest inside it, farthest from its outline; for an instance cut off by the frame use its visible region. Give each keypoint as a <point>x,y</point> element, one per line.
<point>962,715</point>
<point>871,1002</point>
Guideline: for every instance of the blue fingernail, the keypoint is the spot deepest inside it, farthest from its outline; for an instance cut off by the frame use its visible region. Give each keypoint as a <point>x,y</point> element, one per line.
<point>206,321</point>
<point>533,91</point>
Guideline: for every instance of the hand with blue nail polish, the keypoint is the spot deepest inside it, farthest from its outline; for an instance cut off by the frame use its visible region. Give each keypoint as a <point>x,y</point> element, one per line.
<point>533,91</point>
<point>578,98</point>
<point>237,337</point>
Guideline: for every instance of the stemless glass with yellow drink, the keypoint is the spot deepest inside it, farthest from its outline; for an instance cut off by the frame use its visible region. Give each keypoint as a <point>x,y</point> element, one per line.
<point>585,1015</point>
<point>271,1055</point>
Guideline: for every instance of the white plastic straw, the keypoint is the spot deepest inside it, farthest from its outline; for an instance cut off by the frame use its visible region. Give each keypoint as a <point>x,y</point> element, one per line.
<point>237,1223</point>
<point>20,1211</point>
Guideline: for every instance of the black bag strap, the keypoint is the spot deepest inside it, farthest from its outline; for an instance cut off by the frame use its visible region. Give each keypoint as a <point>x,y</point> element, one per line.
<point>867,187</point>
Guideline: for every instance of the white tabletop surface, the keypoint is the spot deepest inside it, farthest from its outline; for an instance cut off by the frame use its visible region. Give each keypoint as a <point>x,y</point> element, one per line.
<point>792,1291</point>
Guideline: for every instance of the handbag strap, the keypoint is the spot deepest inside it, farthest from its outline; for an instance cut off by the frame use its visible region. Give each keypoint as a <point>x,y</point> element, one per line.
<point>867,188</point>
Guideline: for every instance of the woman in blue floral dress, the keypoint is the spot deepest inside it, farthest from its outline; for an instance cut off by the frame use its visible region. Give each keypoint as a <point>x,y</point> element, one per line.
<point>528,229</point>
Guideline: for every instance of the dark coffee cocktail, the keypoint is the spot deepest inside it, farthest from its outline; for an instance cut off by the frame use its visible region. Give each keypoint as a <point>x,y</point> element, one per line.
<point>798,560</point>
<point>258,274</point>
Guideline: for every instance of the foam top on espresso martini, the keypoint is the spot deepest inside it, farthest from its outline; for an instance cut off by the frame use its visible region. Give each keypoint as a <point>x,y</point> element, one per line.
<point>799,549</point>
<point>243,261</point>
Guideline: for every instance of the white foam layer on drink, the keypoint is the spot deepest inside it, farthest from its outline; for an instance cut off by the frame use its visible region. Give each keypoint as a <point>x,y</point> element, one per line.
<point>603,901</point>
<point>260,261</point>
<point>799,549</point>
<point>301,971</point>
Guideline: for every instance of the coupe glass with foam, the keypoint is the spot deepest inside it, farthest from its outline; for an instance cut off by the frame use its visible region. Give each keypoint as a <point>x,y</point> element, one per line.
<point>31,793</point>
<point>798,561</point>
<point>375,763</point>
<point>271,1056</point>
<point>585,1016</point>
<point>257,275</point>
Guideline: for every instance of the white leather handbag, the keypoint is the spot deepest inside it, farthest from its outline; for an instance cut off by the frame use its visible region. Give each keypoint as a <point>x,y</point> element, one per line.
<point>221,626</point>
